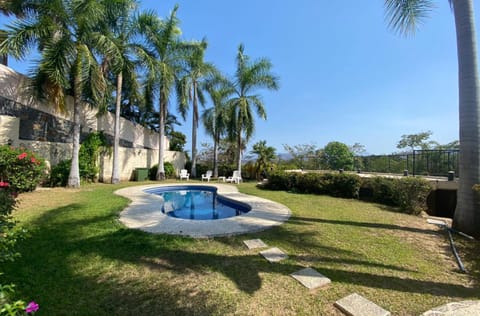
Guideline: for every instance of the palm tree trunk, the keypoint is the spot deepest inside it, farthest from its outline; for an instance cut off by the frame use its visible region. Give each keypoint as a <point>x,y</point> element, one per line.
<point>116,137</point>
<point>161,132</point>
<point>216,140</point>
<point>467,213</point>
<point>194,131</point>
<point>239,151</point>
<point>74,176</point>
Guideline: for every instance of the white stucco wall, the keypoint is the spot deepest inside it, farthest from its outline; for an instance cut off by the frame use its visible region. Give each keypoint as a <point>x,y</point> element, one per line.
<point>13,86</point>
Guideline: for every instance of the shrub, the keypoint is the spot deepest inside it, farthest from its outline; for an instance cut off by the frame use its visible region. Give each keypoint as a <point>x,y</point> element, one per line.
<point>88,155</point>
<point>410,194</point>
<point>340,185</point>
<point>59,174</point>
<point>167,166</point>
<point>20,168</point>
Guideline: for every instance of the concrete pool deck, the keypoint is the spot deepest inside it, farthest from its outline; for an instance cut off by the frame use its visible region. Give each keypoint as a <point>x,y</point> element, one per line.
<point>144,213</point>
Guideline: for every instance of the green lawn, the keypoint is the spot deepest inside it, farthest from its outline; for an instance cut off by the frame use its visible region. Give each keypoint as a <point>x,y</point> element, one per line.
<point>79,260</point>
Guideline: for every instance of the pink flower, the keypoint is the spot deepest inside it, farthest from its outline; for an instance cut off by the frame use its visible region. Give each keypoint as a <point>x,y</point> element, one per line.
<point>4,184</point>
<point>32,307</point>
<point>33,160</point>
<point>22,156</point>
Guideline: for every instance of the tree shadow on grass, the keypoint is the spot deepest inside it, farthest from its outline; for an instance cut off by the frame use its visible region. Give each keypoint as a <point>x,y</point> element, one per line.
<point>303,220</point>
<point>50,268</point>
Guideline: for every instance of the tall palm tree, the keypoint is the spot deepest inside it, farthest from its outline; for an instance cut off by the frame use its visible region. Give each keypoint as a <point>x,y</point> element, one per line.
<point>249,76</point>
<point>64,33</point>
<point>122,56</point>
<point>189,89</point>
<point>215,119</point>
<point>405,16</point>
<point>163,38</point>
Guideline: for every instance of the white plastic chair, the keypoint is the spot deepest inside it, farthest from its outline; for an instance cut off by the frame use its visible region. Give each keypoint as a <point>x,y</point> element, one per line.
<point>184,174</point>
<point>207,175</point>
<point>236,177</point>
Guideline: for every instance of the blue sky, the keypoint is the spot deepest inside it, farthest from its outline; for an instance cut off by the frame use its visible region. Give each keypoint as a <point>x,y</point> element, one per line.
<point>344,76</point>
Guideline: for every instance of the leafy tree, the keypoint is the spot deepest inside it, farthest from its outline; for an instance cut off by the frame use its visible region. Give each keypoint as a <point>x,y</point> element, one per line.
<point>190,90</point>
<point>304,156</point>
<point>249,76</point>
<point>337,155</point>
<point>413,141</point>
<point>405,16</point>
<point>265,156</point>
<point>177,141</point>
<point>65,34</point>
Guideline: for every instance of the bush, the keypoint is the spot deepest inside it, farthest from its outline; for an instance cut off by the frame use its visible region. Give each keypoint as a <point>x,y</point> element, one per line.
<point>410,194</point>
<point>88,155</point>
<point>20,168</point>
<point>59,174</point>
<point>340,185</point>
<point>167,166</point>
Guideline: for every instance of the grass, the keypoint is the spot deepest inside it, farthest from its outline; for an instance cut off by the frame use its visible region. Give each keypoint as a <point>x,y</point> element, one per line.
<point>79,260</point>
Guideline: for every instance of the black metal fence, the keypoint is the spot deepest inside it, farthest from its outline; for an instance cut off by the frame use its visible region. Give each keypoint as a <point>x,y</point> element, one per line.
<point>419,162</point>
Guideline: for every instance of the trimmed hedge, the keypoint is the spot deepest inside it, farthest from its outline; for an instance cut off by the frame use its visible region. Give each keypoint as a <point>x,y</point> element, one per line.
<point>409,194</point>
<point>339,185</point>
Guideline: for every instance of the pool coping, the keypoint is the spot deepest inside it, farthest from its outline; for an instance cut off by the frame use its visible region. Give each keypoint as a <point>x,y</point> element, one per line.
<point>144,213</point>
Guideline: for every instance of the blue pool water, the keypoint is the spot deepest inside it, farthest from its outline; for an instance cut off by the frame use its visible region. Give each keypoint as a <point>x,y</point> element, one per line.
<point>197,202</point>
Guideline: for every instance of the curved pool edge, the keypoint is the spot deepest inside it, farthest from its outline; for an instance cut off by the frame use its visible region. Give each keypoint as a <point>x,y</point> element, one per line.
<point>144,213</point>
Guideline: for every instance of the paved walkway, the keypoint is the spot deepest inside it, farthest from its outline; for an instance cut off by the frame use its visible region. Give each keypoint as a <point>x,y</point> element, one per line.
<point>144,212</point>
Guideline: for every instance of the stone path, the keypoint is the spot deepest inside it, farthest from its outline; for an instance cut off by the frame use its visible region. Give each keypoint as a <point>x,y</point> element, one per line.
<point>255,243</point>
<point>357,305</point>
<point>274,254</point>
<point>310,278</point>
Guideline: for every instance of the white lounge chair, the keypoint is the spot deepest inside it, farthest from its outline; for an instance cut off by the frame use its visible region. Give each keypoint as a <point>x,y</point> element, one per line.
<point>184,174</point>
<point>236,177</point>
<point>207,175</point>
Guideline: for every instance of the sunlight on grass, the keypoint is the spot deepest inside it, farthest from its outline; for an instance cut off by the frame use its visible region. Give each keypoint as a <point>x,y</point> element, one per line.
<point>79,257</point>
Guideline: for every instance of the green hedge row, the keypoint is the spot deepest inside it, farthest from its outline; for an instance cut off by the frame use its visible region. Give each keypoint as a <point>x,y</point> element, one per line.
<point>409,194</point>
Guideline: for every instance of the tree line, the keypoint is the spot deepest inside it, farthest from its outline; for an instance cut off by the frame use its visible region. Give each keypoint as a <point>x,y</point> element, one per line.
<point>111,55</point>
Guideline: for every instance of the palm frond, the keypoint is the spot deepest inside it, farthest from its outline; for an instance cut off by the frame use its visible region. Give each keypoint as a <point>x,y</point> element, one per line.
<point>405,16</point>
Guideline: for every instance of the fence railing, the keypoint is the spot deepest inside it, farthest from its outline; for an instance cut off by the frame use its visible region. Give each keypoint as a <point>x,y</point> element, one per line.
<point>419,162</point>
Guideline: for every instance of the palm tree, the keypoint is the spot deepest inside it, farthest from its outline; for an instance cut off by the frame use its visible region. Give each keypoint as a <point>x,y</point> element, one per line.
<point>249,77</point>
<point>215,119</point>
<point>189,89</point>
<point>405,17</point>
<point>120,29</point>
<point>64,33</point>
<point>163,37</point>
<point>265,156</point>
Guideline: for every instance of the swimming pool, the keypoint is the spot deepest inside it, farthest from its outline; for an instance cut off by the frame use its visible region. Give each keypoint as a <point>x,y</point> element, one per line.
<point>197,203</point>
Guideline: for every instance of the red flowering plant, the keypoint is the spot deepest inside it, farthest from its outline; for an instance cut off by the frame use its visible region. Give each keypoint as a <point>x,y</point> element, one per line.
<point>20,168</point>
<point>20,171</point>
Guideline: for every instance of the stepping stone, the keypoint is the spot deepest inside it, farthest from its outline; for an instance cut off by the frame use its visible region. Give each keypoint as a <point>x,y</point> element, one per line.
<point>310,278</point>
<point>357,305</point>
<point>464,308</point>
<point>274,254</point>
<point>255,243</point>
<point>436,222</point>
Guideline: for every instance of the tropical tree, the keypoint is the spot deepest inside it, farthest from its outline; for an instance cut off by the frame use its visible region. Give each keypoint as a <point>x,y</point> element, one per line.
<point>413,141</point>
<point>249,77</point>
<point>123,55</point>
<point>163,39</point>
<point>405,16</point>
<point>65,34</point>
<point>337,155</point>
<point>265,156</point>
<point>189,90</point>
<point>215,119</point>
